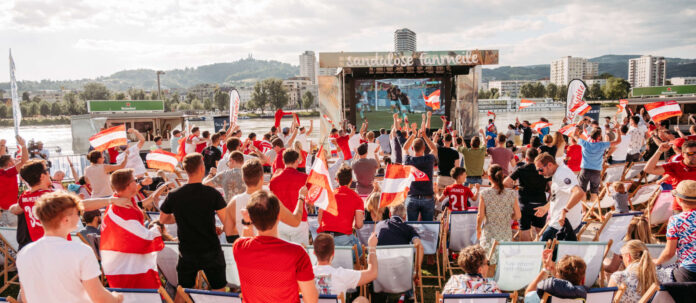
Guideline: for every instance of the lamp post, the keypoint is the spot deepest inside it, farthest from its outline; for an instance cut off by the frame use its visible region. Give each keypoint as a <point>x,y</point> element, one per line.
<point>159,89</point>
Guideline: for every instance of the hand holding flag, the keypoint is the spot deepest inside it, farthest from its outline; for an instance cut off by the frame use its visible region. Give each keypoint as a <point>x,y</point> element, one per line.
<point>110,137</point>
<point>524,103</point>
<point>322,193</point>
<point>397,180</point>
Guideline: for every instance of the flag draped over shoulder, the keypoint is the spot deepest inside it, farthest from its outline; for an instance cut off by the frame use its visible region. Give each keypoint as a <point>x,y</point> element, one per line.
<point>397,181</point>
<point>321,194</point>
<point>110,137</point>
<point>659,111</point>
<point>16,110</point>
<point>129,250</point>
<point>159,159</point>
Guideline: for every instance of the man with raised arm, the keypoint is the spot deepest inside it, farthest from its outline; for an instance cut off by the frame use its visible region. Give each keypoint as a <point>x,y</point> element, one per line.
<point>420,199</point>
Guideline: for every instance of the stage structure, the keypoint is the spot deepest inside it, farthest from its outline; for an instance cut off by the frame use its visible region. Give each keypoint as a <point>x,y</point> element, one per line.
<point>362,85</point>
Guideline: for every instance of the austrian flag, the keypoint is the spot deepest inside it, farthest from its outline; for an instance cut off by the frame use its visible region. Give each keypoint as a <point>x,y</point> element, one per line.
<point>540,125</point>
<point>659,111</point>
<point>322,193</point>
<point>524,103</point>
<point>110,137</point>
<point>568,129</point>
<point>159,159</point>
<point>433,100</point>
<point>397,180</point>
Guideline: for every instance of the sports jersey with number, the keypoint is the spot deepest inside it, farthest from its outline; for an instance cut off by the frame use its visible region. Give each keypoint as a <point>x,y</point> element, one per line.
<point>27,201</point>
<point>458,196</point>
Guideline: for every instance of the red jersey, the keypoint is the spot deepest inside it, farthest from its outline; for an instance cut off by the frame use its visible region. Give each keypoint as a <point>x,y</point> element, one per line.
<point>286,186</point>
<point>342,143</point>
<point>113,154</point>
<point>269,269</point>
<point>574,154</point>
<point>278,163</point>
<point>27,201</point>
<point>8,187</point>
<point>303,159</point>
<point>348,202</point>
<point>678,172</point>
<point>458,197</point>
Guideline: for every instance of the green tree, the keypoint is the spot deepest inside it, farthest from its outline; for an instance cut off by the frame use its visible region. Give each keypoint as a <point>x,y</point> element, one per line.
<point>277,94</point>
<point>484,94</point>
<point>34,109</point>
<point>136,94</point>
<point>3,111</point>
<point>175,97</point>
<point>259,97</point>
<point>222,99</point>
<point>183,106</point>
<point>207,104</point>
<point>189,97</point>
<point>196,104</point>
<point>71,103</point>
<point>120,96</point>
<point>25,97</point>
<point>95,91</point>
<point>24,109</point>
<point>595,92</point>
<point>44,108</point>
<point>562,93</point>
<point>36,99</point>
<point>308,100</point>
<point>551,91</point>
<point>56,109</point>
<point>494,93</point>
<point>616,88</point>
<point>533,90</point>
<point>604,76</point>
<point>2,94</point>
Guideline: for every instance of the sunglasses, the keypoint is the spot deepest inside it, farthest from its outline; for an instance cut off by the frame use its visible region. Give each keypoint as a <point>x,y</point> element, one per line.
<point>689,154</point>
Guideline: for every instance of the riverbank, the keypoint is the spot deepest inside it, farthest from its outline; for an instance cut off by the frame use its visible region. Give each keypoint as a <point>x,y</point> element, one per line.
<point>270,114</point>
<point>60,120</point>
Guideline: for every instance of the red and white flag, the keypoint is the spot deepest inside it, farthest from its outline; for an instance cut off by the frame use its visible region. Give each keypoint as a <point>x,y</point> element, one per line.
<point>322,193</point>
<point>622,105</point>
<point>539,125</point>
<point>524,103</point>
<point>159,159</point>
<point>110,137</point>
<point>397,180</point>
<point>128,249</point>
<point>327,119</point>
<point>581,108</point>
<point>490,113</point>
<point>433,100</point>
<point>568,129</point>
<point>659,111</point>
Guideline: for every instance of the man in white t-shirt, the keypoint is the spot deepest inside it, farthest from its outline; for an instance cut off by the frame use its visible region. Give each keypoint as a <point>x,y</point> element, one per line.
<point>53,269</point>
<point>620,151</point>
<point>304,133</point>
<point>134,160</point>
<point>337,280</point>
<point>563,207</point>
<point>192,140</point>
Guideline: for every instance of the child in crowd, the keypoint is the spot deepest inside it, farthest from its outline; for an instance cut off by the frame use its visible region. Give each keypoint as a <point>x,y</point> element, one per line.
<point>458,194</point>
<point>681,231</point>
<point>620,197</point>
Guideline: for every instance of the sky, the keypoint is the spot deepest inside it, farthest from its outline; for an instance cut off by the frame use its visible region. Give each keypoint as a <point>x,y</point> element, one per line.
<point>75,39</point>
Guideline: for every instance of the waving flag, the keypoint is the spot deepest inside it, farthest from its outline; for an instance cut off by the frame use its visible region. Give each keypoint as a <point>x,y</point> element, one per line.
<point>16,110</point>
<point>433,100</point>
<point>524,103</point>
<point>568,129</point>
<point>581,108</point>
<point>322,193</point>
<point>327,119</point>
<point>110,137</point>
<point>129,250</point>
<point>234,106</point>
<point>280,114</point>
<point>622,105</point>
<point>490,113</point>
<point>539,125</point>
<point>159,159</point>
<point>659,111</point>
<point>397,180</point>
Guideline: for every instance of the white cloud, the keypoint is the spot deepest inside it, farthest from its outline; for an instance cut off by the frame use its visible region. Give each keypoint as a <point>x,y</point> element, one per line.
<point>71,38</point>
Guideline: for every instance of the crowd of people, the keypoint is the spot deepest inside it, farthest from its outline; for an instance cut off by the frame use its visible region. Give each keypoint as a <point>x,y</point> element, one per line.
<point>252,192</point>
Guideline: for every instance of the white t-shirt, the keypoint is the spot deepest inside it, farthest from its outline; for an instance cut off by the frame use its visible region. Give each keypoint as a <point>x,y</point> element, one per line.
<point>353,142</point>
<point>562,183</point>
<point>241,201</point>
<point>335,281</point>
<point>222,163</point>
<point>621,149</point>
<point>371,147</point>
<point>98,180</point>
<point>191,147</point>
<point>302,138</point>
<point>52,269</point>
<point>134,161</point>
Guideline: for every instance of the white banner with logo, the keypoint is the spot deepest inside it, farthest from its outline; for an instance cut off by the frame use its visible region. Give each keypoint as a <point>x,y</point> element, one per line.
<point>576,91</point>
<point>234,106</point>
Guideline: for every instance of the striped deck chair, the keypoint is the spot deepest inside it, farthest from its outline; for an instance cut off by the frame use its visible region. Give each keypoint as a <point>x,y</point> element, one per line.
<point>343,257</point>
<point>131,295</point>
<point>8,299</point>
<point>462,233</point>
<point>313,223</point>
<point>614,227</point>
<point>208,296</point>
<point>644,195</point>
<point>473,298</point>
<point>656,250</point>
<point>9,248</point>
<point>518,264</point>
<point>396,266</point>
<point>613,173</point>
<point>605,294</point>
<point>635,171</point>
<point>327,299</point>
<point>593,253</point>
<point>429,234</point>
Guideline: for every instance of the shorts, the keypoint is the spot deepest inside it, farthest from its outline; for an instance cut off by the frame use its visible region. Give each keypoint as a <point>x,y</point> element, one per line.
<point>298,235</point>
<point>633,157</point>
<point>211,263</point>
<point>591,176</point>
<point>528,218</point>
<point>473,180</point>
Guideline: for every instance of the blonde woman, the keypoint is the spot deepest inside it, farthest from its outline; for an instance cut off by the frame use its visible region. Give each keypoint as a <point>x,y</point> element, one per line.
<point>560,143</point>
<point>639,274</point>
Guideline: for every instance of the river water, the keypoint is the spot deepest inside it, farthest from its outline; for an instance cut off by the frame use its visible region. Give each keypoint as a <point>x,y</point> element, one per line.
<point>60,136</point>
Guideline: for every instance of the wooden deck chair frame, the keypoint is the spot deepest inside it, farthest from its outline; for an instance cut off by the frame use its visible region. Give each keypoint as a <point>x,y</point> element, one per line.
<point>450,266</point>
<point>600,278</point>
<point>440,274</point>
<point>648,295</point>
<point>9,263</point>
<point>443,298</point>
<point>652,198</point>
<point>619,293</point>
<point>163,293</point>
<point>641,176</point>
<point>604,224</point>
<point>184,293</point>
<point>606,167</point>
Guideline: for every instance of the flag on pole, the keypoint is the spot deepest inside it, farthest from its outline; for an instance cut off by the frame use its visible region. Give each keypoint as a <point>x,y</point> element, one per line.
<point>327,119</point>
<point>622,105</point>
<point>397,180</point>
<point>322,193</point>
<point>576,91</point>
<point>16,110</point>
<point>110,137</point>
<point>129,249</point>
<point>433,100</point>
<point>659,111</point>
<point>524,103</point>
<point>234,106</point>
<point>568,129</point>
<point>539,125</point>
<point>159,159</point>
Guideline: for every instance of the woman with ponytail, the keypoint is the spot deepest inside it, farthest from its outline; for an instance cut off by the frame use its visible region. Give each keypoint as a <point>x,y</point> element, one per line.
<point>497,208</point>
<point>639,274</point>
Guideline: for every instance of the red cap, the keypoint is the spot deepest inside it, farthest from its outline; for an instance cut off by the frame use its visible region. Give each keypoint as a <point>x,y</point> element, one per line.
<point>678,142</point>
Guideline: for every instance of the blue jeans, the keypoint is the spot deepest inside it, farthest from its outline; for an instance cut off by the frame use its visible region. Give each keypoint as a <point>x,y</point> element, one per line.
<point>416,206</point>
<point>472,180</point>
<point>349,240</point>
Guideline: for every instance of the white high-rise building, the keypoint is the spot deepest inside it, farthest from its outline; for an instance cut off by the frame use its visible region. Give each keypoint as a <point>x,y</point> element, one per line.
<point>568,68</point>
<point>647,71</point>
<point>308,66</point>
<point>404,40</point>
<point>683,80</point>
<point>509,88</point>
